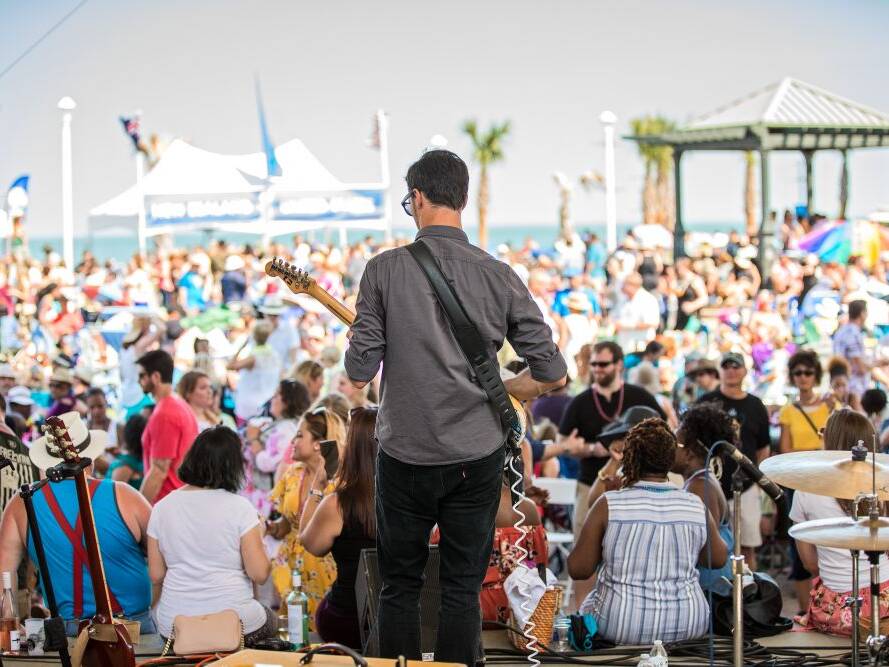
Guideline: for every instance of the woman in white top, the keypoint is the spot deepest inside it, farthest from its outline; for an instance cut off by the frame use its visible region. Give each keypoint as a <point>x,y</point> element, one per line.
<point>832,568</point>
<point>196,388</point>
<point>205,541</point>
<point>260,373</point>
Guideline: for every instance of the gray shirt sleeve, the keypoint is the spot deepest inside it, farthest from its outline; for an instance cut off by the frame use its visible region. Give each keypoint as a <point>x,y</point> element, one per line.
<point>530,336</point>
<point>368,344</point>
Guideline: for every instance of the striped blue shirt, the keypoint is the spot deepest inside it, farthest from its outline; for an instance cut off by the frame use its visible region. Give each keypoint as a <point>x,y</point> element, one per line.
<point>647,585</point>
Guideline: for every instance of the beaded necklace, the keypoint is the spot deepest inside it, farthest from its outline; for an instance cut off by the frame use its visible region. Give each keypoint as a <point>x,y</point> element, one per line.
<point>620,405</point>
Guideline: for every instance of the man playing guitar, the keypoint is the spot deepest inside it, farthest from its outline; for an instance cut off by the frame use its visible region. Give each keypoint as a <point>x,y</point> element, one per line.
<point>441,443</point>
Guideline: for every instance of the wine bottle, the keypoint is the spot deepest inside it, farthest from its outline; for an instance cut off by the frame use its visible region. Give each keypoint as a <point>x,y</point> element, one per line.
<point>297,613</point>
<point>9,622</point>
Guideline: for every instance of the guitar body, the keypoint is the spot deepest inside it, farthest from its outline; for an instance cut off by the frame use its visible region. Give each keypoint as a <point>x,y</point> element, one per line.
<point>107,645</point>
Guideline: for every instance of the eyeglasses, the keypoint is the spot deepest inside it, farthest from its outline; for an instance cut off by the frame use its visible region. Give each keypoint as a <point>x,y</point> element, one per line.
<point>807,372</point>
<point>407,204</point>
<point>601,364</point>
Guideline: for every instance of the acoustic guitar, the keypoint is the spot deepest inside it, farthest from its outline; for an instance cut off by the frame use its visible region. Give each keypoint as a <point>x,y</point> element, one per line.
<point>108,643</point>
<point>301,282</point>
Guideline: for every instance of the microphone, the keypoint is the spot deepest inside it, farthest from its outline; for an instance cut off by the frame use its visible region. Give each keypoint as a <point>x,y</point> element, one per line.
<point>772,490</point>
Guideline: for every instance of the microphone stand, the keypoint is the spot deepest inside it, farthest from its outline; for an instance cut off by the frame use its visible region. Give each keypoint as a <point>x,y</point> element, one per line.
<point>55,624</point>
<point>737,559</point>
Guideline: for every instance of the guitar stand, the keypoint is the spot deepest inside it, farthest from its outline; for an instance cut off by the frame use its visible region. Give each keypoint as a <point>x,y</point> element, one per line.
<point>53,627</point>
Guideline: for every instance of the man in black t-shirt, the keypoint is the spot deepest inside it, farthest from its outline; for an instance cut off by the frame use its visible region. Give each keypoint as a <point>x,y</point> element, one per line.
<point>753,418</point>
<point>587,414</point>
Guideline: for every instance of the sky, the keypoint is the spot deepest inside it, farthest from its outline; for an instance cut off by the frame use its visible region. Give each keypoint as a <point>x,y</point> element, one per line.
<point>548,67</point>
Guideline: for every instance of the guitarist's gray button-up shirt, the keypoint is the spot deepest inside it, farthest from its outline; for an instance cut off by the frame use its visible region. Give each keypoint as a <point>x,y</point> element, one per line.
<point>431,410</point>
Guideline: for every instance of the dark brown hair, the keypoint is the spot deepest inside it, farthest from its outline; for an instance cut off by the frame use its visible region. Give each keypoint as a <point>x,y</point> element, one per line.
<point>355,486</point>
<point>650,449</point>
<point>806,359</point>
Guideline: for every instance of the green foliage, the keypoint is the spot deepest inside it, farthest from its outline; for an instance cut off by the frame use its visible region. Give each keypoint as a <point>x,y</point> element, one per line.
<point>655,157</point>
<point>487,147</point>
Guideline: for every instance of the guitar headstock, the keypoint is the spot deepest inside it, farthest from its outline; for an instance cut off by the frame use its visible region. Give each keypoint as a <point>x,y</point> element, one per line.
<point>58,441</point>
<point>296,279</point>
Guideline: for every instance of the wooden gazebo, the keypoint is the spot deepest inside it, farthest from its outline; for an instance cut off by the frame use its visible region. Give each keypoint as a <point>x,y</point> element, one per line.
<point>786,116</point>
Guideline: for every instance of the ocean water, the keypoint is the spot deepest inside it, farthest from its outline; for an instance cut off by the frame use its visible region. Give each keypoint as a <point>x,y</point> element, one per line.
<point>121,247</point>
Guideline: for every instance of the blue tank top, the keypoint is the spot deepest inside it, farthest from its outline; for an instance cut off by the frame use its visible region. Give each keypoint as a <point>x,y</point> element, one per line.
<point>125,569</point>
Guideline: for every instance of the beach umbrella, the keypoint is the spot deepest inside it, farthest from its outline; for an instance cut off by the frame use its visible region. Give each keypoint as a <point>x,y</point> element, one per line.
<point>836,241</point>
<point>653,236</point>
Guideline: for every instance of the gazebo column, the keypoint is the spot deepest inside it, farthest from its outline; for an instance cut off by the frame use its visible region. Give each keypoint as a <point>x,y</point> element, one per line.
<point>766,225</point>
<point>809,156</point>
<point>678,228</point>
<point>844,185</point>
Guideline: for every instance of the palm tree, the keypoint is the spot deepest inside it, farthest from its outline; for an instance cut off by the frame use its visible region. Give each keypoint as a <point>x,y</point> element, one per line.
<point>750,194</point>
<point>657,193</point>
<point>487,148</point>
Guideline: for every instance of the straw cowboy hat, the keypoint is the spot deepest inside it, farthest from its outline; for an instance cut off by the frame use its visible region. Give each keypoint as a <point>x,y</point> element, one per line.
<point>578,301</point>
<point>88,443</point>
<point>62,374</point>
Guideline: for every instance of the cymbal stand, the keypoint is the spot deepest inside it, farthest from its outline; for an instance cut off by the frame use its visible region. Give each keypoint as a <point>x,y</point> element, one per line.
<point>737,559</point>
<point>855,600</point>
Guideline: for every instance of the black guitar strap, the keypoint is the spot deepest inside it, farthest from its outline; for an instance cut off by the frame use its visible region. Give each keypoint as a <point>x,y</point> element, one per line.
<point>468,338</point>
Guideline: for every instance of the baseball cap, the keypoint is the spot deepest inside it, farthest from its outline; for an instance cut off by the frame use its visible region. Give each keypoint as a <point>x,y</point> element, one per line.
<point>6,371</point>
<point>732,358</point>
<point>20,396</point>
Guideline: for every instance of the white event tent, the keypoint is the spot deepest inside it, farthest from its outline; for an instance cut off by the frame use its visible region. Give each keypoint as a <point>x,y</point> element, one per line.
<point>191,189</point>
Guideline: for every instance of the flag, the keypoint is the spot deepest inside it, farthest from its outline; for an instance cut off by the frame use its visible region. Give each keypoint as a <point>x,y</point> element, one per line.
<point>132,126</point>
<point>272,166</point>
<point>17,196</point>
<point>373,141</point>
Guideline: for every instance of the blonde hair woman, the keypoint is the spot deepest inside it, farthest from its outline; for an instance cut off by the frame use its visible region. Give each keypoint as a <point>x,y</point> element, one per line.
<point>290,495</point>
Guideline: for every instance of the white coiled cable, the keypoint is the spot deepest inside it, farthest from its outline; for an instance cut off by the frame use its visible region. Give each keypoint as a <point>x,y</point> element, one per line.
<point>518,491</point>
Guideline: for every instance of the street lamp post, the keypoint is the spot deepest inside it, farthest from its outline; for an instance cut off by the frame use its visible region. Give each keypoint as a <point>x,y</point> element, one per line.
<point>67,105</point>
<point>608,120</point>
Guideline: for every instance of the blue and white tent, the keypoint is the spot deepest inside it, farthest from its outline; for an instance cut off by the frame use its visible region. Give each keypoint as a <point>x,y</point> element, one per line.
<point>193,189</point>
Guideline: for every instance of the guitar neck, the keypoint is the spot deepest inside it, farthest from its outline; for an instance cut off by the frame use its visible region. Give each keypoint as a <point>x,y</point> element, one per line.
<point>97,569</point>
<point>338,309</point>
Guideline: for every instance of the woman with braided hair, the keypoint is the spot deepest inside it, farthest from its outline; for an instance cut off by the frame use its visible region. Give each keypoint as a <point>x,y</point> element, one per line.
<point>702,425</point>
<point>643,542</point>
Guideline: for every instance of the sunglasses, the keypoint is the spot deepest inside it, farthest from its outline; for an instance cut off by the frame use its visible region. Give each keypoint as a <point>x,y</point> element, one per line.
<point>359,409</point>
<point>407,204</point>
<point>319,410</point>
<point>732,366</point>
<point>807,372</point>
<point>601,364</point>
<point>57,385</point>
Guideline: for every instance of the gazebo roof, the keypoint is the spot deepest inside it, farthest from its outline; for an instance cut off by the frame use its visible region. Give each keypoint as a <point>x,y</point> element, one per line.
<point>789,115</point>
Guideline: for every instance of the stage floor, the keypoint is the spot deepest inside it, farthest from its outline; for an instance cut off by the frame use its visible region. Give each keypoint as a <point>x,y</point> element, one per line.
<point>495,641</point>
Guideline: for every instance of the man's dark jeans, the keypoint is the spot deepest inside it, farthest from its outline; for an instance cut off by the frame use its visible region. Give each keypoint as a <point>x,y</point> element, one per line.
<point>462,499</point>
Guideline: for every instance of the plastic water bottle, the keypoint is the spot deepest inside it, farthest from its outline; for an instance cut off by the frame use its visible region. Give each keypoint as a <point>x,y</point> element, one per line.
<point>644,660</point>
<point>658,654</point>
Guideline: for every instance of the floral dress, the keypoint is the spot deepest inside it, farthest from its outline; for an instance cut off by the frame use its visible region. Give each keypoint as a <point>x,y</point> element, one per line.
<point>318,574</point>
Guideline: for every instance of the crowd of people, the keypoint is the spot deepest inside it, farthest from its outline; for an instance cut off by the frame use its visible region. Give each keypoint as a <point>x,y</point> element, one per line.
<point>211,389</point>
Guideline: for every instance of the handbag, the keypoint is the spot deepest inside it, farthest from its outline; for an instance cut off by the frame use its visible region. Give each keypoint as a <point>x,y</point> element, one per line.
<point>221,632</point>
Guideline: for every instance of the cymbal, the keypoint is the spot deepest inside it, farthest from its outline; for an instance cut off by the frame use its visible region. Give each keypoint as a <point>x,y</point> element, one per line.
<point>829,473</point>
<point>845,533</point>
